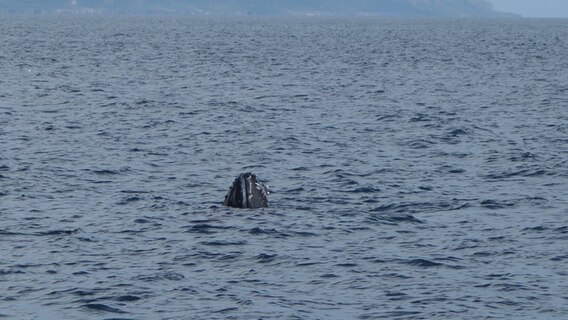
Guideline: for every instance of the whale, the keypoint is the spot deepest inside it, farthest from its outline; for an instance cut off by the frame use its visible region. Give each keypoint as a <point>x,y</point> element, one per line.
<point>247,192</point>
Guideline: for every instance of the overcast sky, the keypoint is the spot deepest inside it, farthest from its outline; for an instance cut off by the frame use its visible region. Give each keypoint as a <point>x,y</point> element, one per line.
<point>533,8</point>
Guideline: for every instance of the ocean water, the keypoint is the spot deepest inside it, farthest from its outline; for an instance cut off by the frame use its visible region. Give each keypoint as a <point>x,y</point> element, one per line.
<point>418,168</point>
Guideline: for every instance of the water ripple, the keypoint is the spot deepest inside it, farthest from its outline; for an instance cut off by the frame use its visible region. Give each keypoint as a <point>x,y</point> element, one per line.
<point>418,168</point>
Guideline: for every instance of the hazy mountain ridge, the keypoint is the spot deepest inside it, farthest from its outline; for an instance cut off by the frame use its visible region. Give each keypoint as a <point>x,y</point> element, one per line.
<point>468,8</point>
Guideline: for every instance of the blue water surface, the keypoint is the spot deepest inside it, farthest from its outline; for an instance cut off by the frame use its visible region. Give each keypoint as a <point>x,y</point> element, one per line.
<point>418,168</point>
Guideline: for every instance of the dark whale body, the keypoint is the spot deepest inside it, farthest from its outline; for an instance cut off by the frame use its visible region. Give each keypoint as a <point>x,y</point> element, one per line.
<point>247,192</point>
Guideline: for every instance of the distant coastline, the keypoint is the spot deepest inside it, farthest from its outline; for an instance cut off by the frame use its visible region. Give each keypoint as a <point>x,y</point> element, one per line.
<point>388,8</point>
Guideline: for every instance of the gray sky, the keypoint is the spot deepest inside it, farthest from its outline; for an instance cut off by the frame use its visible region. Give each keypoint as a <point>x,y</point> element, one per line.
<point>533,8</point>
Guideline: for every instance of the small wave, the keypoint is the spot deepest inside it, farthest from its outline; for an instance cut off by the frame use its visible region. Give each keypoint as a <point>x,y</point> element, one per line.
<point>224,243</point>
<point>266,258</point>
<point>10,271</point>
<point>522,156</point>
<point>99,181</point>
<point>271,232</point>
<point>105,172</point>
<point>499,276</point>
<point>329,275</point>
<point>497,204</point>
<point>295,190</point>
<point>453,136</point>
<point>56,232</point>
<point>365,190</point>
<point>518,173</point>
<point>130,199</point>
<point>127,298</point>
<point>304,234</point>
<point>343,173</point>
<point>419,144</point>
<point>10,233</point>
<point>415,207</point>
<point>424,263</point>
<point>108,172</point>
<point>305,264</point>
<point>450,169</point>
<point>388,117</point>
<point>226,310</point>
<point>174,276</point>
<point>265,97</point>
<point>346,265</point>
<point>458,132</point>
<point>562,230</point>
<point>509,287</point>
<point>133,191</point>
<point>144,102</point>
<point>102,307</point>
<point>396,315</point>
<point>423,117</point>
<point>559,258</point>
<point>536,229</point>
<point>395,219</point>
<point>396,296</point>
<point>206,228</point>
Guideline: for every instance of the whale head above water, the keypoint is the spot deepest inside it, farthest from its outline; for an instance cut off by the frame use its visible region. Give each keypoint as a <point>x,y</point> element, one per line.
<point>247,192</point>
